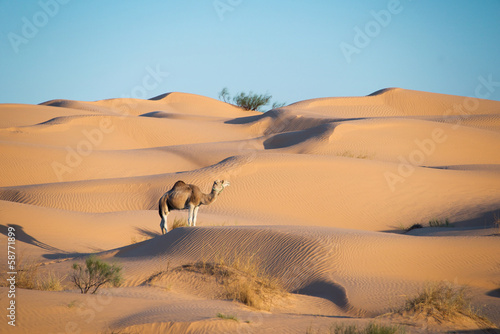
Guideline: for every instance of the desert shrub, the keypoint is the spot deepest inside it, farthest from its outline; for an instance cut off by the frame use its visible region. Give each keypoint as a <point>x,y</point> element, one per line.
<point>251,101</point>
<point>224,95</point>
<point>95,274</point>
<point>248,101</point>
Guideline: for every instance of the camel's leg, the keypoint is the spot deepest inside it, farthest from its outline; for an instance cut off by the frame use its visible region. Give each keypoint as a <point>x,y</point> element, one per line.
<point>195,215</point>
<point>163,223</point>
<point>190,215</point>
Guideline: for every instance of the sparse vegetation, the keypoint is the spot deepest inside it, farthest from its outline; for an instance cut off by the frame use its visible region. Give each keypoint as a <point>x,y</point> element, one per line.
<point>248,101</point>
<point>227,316</point>
<point>413,227</point>
<point>95,274</point>
<point>51,282</point>
<point>439,223</point>
<point>27,273</point>
<point>349,154</point>
<point>442,302</point>
<point>243,281</point>
<point>248,284</point>
<point>29,277</point>
<point>371,328</point>
<point>239,278</point>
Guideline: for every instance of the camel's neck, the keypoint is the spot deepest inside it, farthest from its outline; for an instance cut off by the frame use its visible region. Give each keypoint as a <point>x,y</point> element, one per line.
<point>209,198</point>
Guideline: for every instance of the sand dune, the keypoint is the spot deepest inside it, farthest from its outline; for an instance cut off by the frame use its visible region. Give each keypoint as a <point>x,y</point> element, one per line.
<point>365,200</point>
<point>321,194</point>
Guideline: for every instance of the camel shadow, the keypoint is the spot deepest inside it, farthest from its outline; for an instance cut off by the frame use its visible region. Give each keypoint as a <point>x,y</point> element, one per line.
<point>22,236</point>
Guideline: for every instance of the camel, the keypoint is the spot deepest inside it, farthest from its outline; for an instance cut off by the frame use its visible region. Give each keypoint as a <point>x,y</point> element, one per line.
<point>187,196</point>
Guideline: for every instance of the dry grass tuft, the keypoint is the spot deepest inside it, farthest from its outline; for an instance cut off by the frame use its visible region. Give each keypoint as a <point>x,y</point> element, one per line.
<point>29,277</point>
<point>496,221</point>
<point>442,302</point>
<point>179,223</point>
<point>439,223</point>
<point>239,279</point>
<point>27,273</point>
<point>242,280</point>
<point>51,282</point>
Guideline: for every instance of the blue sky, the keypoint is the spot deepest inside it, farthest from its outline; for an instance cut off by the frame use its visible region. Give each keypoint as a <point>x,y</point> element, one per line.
<point>294,50</point>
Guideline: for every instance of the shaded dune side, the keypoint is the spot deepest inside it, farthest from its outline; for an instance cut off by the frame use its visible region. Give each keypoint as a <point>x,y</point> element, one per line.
<point>437,143</point>
<point>394,107</point>
<point>77,232</point>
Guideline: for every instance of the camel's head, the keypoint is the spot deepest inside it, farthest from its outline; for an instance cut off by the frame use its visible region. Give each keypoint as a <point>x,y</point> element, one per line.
<point>219,185</point>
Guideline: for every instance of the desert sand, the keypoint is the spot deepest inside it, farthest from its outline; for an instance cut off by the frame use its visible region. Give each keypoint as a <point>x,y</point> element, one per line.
<point>322,194</point>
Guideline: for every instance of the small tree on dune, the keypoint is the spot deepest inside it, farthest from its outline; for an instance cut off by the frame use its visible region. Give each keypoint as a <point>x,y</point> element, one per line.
<point>248,101</point>
<point>95,274</point>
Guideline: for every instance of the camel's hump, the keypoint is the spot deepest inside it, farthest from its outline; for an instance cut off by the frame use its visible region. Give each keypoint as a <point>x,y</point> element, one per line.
<point>179,184</point>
